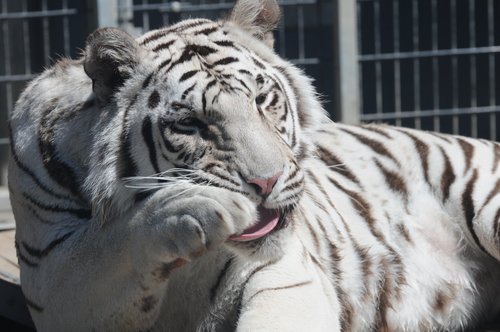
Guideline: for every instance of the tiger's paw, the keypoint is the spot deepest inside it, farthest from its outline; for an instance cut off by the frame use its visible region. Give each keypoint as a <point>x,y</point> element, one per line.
<point>178,224</point>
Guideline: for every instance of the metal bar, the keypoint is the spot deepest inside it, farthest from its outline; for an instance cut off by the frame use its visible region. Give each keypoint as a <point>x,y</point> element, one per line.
<point>4,140</point>
<point>300,27</point>
<point>431,53</point>
<point>282,35</point>
<point>378,65</point>
<point>435,65</point>
<point>7,63</point>
<point>14,78</point>
<point>26,41</point>
<point>187,7</point>
<point>491,60</point>
<point>145,18</point>
<point>46,36</point>
<point>346,64</point>
<point>416,65</point>
<point>306,61</point>
<point>441,112</point>
<point>454,64</point>
<point>473,78</point>
<point>43,13</point>
<point>397,64</point>
<point>360,76</point>
<point>107,13</point>
<point>67,50</point>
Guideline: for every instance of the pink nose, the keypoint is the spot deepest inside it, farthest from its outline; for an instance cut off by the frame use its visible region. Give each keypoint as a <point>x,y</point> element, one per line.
<point>266,185</point>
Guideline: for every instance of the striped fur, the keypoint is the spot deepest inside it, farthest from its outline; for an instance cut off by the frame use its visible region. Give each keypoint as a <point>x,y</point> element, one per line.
<point>135,170</point>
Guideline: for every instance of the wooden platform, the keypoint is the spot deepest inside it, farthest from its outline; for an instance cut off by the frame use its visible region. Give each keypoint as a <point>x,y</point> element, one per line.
<point>9,269</point>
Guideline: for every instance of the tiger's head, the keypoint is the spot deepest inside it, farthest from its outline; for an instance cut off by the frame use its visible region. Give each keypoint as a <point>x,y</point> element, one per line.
<point>204,102</point>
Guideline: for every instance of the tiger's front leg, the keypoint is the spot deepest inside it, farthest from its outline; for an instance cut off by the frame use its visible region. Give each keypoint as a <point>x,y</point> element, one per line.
<point>114,277</point>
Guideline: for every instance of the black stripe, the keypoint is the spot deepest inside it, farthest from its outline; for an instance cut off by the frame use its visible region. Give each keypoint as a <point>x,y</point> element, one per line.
<point>25,259</point>
<point>492,194</point>
<point>395,182</point>
<point>30,173</point>
<point>126,164</point>
<point>79,213</point>
<point>496,158</point>
<point>163,46</point>
<point>336,165</point>
<point>40,253</point>
<point>225,61</point>
<point>146,82</point>
<point>225,43</point>
<point>164,64</point>
<point>156,35</point>
<point>246,72</point>
<point>448,176</point>
<point>32,304</point>
<point>375,145</point>
<point>154,99</point>
<point>190,51</point>
<point>423,151</point>
<point>188,90</point>
<point>147,134</point>
<point>62,173</point>
<point>468,208</point>
<point>258,63</point>
<point>223,272</point>
<point>206,31</point>
<point>187,75</point>
<point>468,150</point>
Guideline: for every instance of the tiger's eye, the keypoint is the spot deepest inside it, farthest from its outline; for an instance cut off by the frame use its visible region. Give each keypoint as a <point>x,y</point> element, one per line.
<point>260,99</point>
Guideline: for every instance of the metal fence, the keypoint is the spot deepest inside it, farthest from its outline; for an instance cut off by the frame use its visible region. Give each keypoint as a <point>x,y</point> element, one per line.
<point>34,33</point>
<point>305,34</point>
<point>431,64</point>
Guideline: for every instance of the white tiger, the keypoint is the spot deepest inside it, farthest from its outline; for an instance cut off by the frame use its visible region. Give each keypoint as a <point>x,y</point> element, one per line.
<point>153,181</point>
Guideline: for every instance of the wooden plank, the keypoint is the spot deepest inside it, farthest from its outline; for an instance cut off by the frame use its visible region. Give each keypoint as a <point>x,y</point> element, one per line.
<point>9,268</point>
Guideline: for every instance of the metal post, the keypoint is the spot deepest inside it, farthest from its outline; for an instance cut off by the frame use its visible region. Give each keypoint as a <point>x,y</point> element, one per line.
<point>346,62</point>
<point>107,13</point>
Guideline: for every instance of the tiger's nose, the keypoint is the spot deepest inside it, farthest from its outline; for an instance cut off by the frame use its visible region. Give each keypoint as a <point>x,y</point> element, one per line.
<point>265,185</point>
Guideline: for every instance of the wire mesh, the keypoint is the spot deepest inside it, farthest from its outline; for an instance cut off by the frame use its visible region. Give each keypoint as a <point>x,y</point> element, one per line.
<point>431,64</point>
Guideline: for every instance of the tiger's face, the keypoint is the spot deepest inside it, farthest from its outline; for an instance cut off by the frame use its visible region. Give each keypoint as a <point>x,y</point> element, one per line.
<point>205,103</point>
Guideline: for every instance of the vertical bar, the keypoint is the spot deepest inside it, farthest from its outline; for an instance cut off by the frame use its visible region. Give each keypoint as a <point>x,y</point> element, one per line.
<point>26,40</point>
<point>416,64</point>
<point>347,66</point>
<point>435,67</point>
<point>145,18</point>
<point>46,36</point>
<point>66,30</point>
<point>473,93</point>
<point>107,13</point>
<point>378,64</point>
<point>300,26</point>
<point>358,45</point>
<point>282,34</point>
<point>397,65</point>
<point>8,71</point>
<point>491,60</point>
<point>454,64</point>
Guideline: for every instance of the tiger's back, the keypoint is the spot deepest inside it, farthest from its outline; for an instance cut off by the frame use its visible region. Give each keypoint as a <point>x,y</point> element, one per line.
<point>189,180</point>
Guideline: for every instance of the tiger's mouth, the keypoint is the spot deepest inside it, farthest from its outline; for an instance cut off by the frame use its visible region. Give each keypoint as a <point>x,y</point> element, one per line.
<point>269,220</point>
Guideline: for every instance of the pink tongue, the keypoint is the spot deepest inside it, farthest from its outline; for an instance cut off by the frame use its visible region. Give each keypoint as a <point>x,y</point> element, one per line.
<point>268,219</point>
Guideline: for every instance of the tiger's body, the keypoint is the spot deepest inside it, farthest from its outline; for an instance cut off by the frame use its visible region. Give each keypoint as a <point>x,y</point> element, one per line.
<point>153,182</point>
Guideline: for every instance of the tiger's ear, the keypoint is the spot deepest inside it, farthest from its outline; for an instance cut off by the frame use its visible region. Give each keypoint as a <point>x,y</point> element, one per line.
<point>258,17</point>
<point>110,56</point>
